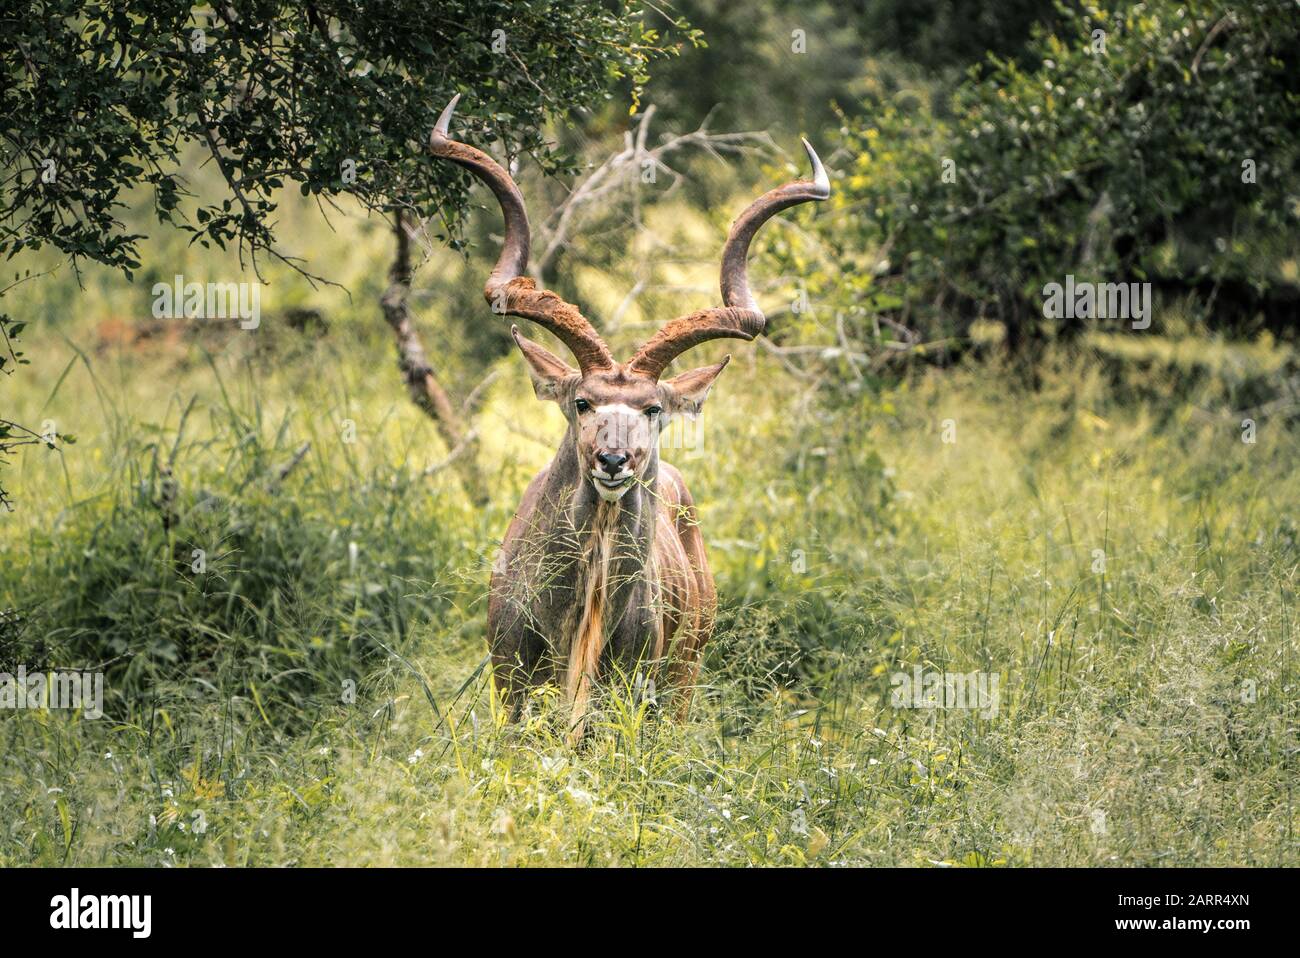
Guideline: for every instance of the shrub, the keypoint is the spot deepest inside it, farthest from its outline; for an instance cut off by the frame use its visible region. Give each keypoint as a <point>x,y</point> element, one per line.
<point>1150,144</point>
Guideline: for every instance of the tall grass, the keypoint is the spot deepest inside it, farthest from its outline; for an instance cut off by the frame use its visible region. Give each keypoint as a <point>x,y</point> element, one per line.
<point>1107,545</point>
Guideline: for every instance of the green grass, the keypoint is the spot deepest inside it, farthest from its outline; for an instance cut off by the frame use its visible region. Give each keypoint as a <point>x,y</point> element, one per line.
<point>850,542</point>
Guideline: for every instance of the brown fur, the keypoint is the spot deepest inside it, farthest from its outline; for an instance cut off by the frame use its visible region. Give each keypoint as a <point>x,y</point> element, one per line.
<point>582,585</point>
<point>595,571</point>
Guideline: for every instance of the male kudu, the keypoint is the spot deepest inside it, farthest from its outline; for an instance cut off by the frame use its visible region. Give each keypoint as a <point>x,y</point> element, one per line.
<point>603,565</point>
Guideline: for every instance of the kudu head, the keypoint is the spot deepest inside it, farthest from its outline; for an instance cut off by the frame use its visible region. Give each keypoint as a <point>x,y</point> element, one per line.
<point>616,410</point>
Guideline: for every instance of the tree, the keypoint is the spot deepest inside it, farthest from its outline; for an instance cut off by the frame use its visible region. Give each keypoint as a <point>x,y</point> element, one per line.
<point>1153,144</point>
<point>330,97</point>
<point>13,435</point>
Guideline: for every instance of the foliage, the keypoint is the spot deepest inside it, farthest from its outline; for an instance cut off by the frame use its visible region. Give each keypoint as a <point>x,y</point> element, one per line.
<point>104,101</point>
<point>953,34</point>
<point>771,66</point>
<point>330,98</point>
<point>786,64</point>
<point>1154,144</point>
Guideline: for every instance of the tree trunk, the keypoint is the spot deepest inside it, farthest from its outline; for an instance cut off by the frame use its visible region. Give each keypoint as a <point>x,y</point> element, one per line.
<point>423,386</point>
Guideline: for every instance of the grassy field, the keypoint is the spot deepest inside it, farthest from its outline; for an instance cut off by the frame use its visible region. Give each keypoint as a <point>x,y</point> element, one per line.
<point>1105,544</point>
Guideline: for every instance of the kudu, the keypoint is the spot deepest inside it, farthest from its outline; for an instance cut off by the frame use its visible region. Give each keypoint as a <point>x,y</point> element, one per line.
<point>603,566</point>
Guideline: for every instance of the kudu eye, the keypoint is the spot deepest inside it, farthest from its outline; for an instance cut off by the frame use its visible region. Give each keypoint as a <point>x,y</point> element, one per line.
<point>653,411</point>
<point>581,405</point>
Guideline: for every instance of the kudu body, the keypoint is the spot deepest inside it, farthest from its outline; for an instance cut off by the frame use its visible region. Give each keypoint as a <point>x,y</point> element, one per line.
<point>603,566</point>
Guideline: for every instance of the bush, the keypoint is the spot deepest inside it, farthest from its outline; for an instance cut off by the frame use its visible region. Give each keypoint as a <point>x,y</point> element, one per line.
<point>204,576</point>
<point>1154,144</point>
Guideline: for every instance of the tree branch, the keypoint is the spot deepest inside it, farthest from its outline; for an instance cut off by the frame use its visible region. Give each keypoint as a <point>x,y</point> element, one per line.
<point>421,383</point>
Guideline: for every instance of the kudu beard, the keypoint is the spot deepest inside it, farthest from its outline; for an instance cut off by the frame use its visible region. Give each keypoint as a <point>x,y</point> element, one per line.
<point>53,689</point>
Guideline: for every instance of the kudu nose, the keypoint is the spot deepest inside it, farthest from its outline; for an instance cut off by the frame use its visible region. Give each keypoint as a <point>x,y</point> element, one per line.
<point>612,462</point>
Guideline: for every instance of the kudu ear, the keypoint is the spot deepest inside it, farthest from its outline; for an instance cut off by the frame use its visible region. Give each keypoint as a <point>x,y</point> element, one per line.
<point>688,390</point>
<point>547,371</point>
